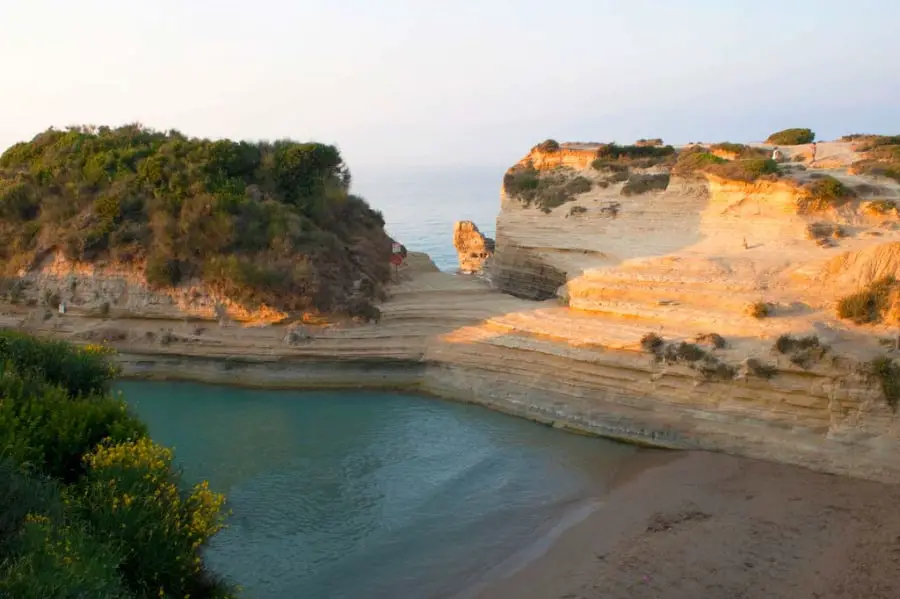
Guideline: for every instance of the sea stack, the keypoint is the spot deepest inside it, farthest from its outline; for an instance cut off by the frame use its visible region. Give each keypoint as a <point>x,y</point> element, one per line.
<point>473,248</point>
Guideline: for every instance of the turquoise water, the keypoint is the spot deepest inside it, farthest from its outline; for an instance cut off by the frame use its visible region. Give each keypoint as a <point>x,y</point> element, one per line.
<point>420,205</point>
<point>370,495</point>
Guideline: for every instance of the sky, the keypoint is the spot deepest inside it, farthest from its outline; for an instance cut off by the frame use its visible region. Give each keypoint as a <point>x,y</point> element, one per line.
<point>457,82</point>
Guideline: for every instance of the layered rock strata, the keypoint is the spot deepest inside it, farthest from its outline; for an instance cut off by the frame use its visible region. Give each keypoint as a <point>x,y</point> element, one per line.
<point>473,249</point>
<point>645,336</point>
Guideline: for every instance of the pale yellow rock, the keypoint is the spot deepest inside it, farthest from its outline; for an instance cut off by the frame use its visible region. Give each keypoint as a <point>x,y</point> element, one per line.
<point>678,263</point>
<point>472,247</point>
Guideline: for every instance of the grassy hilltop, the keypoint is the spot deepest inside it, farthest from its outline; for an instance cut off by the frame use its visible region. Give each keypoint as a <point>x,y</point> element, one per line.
<point>259,223</point>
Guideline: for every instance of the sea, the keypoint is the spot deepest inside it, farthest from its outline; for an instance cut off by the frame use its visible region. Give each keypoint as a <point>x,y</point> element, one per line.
<point>420,204</point>
<point>372,495</point>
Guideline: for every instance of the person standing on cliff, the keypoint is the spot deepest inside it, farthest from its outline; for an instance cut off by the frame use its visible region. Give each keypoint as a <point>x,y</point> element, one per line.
<point>814,148</point>
<point>777,155</point>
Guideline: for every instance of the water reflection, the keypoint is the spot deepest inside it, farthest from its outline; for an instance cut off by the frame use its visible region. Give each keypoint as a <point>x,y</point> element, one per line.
<point>362,494</point>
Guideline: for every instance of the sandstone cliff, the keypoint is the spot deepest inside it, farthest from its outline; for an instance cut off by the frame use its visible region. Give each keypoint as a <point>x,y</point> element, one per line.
<point>698,314</point>
<point>472,247</point>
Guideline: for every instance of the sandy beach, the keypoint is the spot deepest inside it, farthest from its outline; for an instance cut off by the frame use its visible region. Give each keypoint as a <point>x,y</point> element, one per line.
<point>700,525</point>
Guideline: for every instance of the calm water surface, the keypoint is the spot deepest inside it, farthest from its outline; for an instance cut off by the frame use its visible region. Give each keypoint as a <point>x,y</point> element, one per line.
<point>370,495</point>
<point>421,204</point>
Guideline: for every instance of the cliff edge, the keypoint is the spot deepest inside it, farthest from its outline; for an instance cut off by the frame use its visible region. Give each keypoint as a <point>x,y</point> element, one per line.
<point>669,296</point>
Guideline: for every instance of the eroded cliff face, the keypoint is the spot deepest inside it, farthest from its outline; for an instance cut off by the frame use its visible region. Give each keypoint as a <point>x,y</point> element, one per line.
<point>652,342</point>
<point>122,290</point>
<point>473,249</point>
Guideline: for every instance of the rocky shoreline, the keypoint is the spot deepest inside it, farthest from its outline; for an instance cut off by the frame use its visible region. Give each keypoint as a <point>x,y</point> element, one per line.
<point>648,339</point>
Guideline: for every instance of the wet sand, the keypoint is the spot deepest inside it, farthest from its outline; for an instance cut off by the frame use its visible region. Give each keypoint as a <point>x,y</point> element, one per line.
<point>698,525</point>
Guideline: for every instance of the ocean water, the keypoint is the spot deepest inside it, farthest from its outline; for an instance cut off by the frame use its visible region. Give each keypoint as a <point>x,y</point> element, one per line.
<point>370,495</point>
<point>421,204</point>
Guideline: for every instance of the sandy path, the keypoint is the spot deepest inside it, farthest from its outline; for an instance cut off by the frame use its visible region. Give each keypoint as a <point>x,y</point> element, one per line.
<point>708,526</point>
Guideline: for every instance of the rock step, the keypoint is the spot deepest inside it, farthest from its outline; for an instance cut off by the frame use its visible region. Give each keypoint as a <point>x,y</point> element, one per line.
<point>608,298</point>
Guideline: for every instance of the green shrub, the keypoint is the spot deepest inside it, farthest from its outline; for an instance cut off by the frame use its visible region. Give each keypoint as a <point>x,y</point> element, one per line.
<point>746,170</point>
<point>549,146</point>
<point>80,371</point>
<point>871,304</point>
<point>577,210</point>
<point>887,372</point>
<point>687,352</point>
<point>882,206</point>
<point>823,193</point>
<point>654,142</point>
<point>652,343</point>
<point>20,495</point>
<point>759,369</point>
<point>132,495</point>
<point>625,153</point>
<point>695,160</point>
<point>638,184</point>
<point>522,182</point>
<point>873,142</point>
<point>882,157</point>
<point>713,339</point>
<point>545,190</point>
<point>824,230</point>
<point>740,150</point>
<point>613,172</point>
<point>759,309</point>
<point>174,203</point>
<point>61,561</point>
<point>801,351</point>
<point>42,426</point>
<point>116,520</point>
<point>792,137</point>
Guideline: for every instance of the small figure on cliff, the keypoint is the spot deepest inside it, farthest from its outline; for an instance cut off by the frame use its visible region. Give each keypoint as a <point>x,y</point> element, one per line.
<point>777,156</point>
<point>813,154</point>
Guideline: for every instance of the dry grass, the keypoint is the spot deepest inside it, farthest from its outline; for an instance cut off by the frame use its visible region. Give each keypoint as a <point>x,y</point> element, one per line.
<point>745,170</point>
<point>824,193</point>
<point>881,156</point>
<point>740,150</point>
<point>883,207</point>
<point>759,310</point>
<point>639,184</point>
<point>544,190</point>
<point>801,351</point>
<point>824,231</point>
<point>877,302</point>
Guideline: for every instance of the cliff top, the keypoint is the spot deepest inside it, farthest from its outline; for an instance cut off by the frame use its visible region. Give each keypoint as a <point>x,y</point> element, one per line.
<point>260,223</point>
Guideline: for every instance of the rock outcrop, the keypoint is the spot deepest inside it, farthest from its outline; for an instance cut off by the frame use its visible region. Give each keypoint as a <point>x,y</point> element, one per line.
<point>643,332</point>
<point>472,247</point>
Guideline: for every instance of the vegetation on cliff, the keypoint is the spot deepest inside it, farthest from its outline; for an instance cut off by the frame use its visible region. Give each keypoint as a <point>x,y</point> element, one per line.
<point>879,301</point>
<point>638,184</point>
<point>823,193</point>
<point>638,155</point>
<point>89,506</point>
<point>545,190</point>
<point>792,137</point>
<point>739,150</point>
<point>881,156</point>
<point>748,167</point>
<point>260,223</point>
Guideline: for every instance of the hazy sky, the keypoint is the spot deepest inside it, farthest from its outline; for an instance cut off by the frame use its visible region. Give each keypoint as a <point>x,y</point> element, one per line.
<point>452,82</point>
